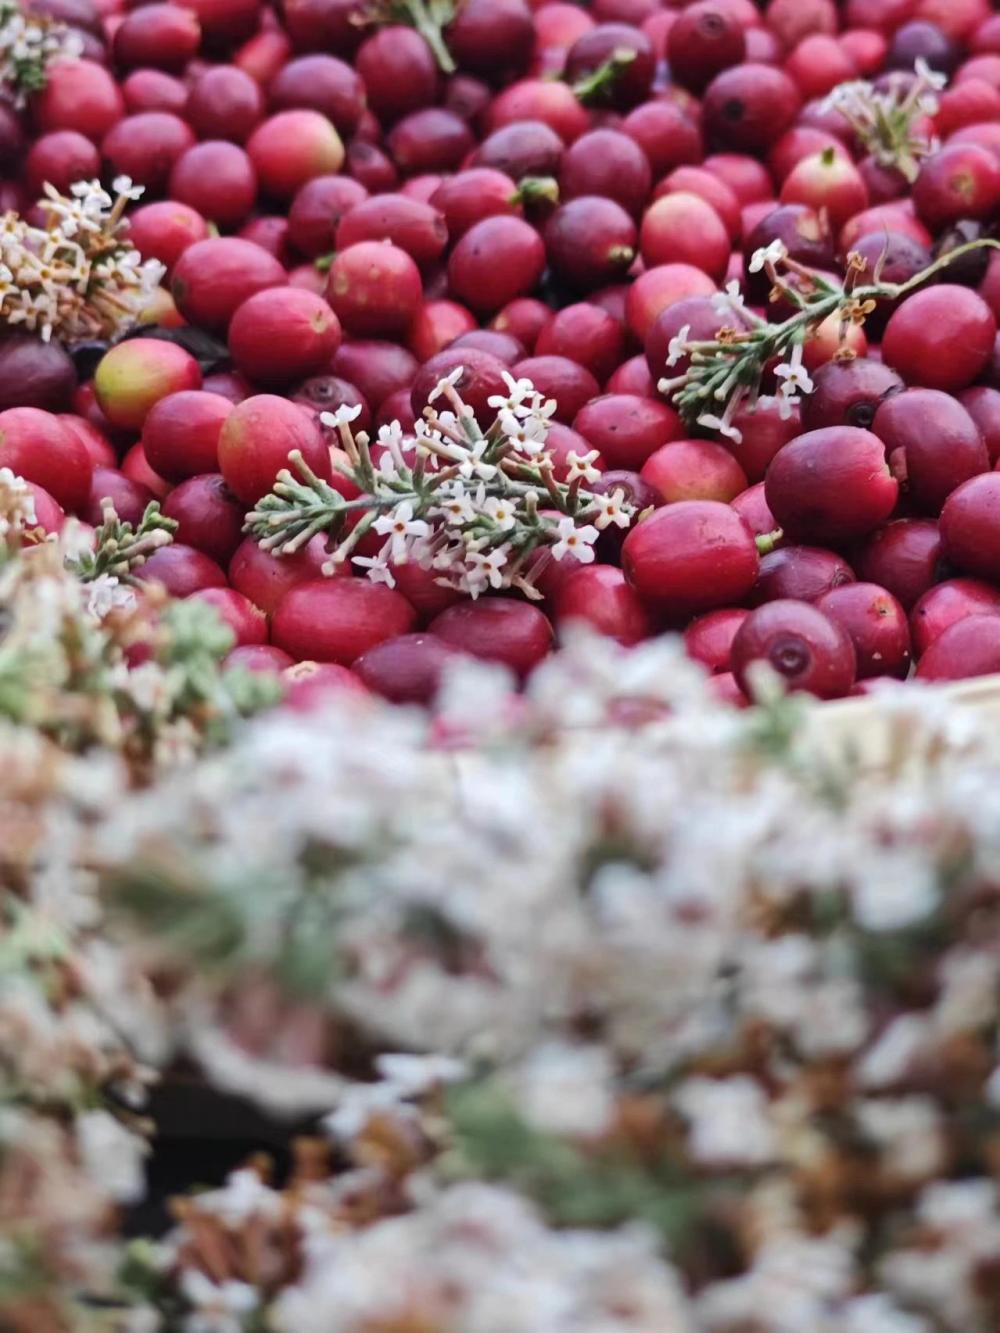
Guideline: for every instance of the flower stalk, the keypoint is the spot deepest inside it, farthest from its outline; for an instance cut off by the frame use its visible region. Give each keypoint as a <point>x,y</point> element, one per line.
<point>78,277</point>
<point>120,548</point>
<point>717,377</point>
<point>891,124</point>
<point>479,509</point>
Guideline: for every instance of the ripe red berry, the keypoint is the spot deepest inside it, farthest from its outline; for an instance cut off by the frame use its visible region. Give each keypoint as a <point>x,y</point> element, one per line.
<point>257,438</point>
<point>831,485</point>
<point>498,629</point>
<point>180,434</point>
<point>809,650</point>
<point>137,373</point>
<point>212,278</point>
<point>375,289</point>
<point>941,337</point>
<point>37,446</point>
<point>338,619</point>
<point>690,557</point>
<point>282,335</point>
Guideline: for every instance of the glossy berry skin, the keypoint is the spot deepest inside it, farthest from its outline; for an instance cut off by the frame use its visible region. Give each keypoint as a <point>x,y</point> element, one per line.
<point>316,212</point>
<point>609,163</point>
<point>941,337</point>
<point>497,629</point>
<point>146,146</point>
<point>848,393</point>
<point>407,669</point>
<point>947,603</point>
<point>809,650</point>
<point>36,445</point>
<point>691,557</point>
<point>970,527</point>
<point>208,516</point>
<point>133,376</point>
<point>709,639</point>
<point>496,260</point>
<point>217,179</point>
<point>224,103</point>
<point>694,470</point>
<point>79,95</point>
<point>959,181</point>
<point>259,657</point>
<point>375,289</point>
<point>749,106</point>
<point>587,334</point>
<point>182,570</point>
<point>282,335</point>
<point>904,557</point>
<point>213,278</point>
<point>933,445</point>
<point>257,438</point>
<point>248,624</point>
<point>158,35</point>
<point>471,195</point>
<point>338,619</point>
<point>876,624</point>
<point>265,578</point>
<point>601,597</point>
<point>971,647</point>
<point>293,147</point>
<point>590,242</point>
<point>180,434</point>
<point>410,224</point>
<point>682,228</point>
<point>481,378</point>
<point>703,40</point>
<point>801,573</point>
<point>831,485</point>
<point>164,229</point>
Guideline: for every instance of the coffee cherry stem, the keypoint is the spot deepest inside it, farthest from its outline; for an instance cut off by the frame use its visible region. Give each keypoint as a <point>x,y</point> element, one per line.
<point>728,369</point>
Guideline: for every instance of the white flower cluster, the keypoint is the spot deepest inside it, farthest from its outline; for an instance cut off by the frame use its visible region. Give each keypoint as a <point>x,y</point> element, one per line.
<point>480,509</point>
<point>78,277</point>
<point>29,44</point>
<point>685,984</point>
<point>888,121</point>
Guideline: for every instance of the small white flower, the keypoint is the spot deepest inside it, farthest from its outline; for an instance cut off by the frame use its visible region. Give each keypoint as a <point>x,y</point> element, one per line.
<point>343,416</point>
<point>795,377</point>
<point>729,1120</point>
<point>399,525</point>
<point>582,466</point>
<point>613,510</point>
<point>447,382</point>
<point>472,464</point>
<point>377,566</point>
<point>677,347</point>
<point>501,511</point>
<point>768,254</point>
<point>573,540</point>
<point>105,594</point>
<point>518,390</point>
<point>220,1306</point>
<point>112,1155</point>
<point>724,427</point>
<point>488,568</point>
<point>932,77</point>
<point>124,185</point>
<point>414,1075</point>
<point>730,301</point>
<point>527,434</point>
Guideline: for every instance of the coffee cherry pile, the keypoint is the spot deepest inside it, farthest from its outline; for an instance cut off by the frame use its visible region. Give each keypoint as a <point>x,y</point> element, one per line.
<point>741,253</point>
